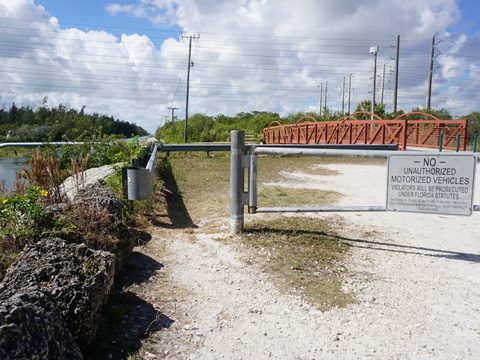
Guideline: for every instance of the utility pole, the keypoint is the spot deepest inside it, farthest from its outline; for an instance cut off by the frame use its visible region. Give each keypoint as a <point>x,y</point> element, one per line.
<point>190,64</point>
<point>326,92</point>
<point>383,84</point>
<point>173,110</point>
<point>374,51</point>
<point>343,96</point>
<point>349,91</point>
<point>430,71</point>
<point>320,99</point>
<point>395,86</point>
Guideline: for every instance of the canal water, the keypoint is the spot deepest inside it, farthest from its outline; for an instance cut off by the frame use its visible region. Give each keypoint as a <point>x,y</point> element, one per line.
<point>9,168</point>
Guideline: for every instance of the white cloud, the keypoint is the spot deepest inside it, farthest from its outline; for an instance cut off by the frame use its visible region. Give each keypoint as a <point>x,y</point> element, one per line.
<point>251,55</point>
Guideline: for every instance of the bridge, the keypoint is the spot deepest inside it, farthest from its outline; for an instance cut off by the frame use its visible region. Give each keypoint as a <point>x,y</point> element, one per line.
<point>415,129</point>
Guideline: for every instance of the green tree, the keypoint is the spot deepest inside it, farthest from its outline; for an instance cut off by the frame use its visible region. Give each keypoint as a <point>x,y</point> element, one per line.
<point>366,105</point>
<point>441,114</point>
<point>171,132</point>
<point>473,125</point>
<point>199,128</point>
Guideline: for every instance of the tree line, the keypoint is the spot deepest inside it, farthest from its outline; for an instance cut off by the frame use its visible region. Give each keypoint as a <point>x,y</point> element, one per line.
<point>204,128</point>
<point>63,123</point>
<point>60,123</point>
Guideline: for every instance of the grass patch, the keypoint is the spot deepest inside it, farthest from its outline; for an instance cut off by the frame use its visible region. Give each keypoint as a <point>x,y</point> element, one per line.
<point>278,196</point>
<point>302,255</point>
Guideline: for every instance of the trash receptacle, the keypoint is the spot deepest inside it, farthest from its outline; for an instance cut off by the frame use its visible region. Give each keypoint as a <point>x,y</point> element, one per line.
<point>137,183</point>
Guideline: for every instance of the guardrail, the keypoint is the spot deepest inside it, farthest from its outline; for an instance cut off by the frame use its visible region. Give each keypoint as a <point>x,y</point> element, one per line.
<point>37,144</point>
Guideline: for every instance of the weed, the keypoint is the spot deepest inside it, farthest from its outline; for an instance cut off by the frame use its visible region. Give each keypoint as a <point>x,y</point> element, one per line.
<point>23,220</point>
<point>44,172</point>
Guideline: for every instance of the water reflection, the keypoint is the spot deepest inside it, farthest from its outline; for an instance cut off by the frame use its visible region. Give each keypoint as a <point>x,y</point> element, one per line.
<point>9,168</point>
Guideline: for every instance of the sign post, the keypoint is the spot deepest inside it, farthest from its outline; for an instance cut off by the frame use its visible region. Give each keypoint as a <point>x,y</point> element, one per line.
<point>437,184</point>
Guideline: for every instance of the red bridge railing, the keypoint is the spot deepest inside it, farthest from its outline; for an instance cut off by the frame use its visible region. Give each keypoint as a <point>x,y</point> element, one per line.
<point>349,130</point>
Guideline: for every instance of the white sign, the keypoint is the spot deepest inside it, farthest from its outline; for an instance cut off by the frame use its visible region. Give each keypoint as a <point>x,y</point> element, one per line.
<point>438,184</point>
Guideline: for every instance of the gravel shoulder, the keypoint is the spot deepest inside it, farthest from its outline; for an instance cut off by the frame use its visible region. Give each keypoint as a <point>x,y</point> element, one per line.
<point>416,277</point>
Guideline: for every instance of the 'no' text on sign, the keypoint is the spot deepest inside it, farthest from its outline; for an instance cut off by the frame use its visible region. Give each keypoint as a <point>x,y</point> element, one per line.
<point>438,184</point>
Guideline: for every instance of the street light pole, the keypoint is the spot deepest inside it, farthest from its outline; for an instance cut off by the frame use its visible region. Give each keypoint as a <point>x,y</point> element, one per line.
<point>374,51</point>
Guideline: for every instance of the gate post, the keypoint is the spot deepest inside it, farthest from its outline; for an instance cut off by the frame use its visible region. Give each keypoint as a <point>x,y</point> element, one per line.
<point>237,181</point>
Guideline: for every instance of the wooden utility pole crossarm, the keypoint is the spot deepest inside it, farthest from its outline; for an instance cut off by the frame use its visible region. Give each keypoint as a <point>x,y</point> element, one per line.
<point>173,111</point>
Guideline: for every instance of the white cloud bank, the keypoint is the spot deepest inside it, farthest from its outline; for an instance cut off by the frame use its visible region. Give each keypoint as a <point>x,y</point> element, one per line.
<point>251,55</point>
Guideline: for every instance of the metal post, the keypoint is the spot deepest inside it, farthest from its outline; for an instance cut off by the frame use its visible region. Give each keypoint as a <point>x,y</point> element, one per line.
<point>374,51</point>
<point>475,142</point>
<point>457,143</point>
<point>237,181</point>
<point>252,183</point>
<point>440,143</point>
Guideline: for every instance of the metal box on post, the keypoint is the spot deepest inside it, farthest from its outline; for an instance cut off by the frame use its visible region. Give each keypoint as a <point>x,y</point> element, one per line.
<point>137,183</point>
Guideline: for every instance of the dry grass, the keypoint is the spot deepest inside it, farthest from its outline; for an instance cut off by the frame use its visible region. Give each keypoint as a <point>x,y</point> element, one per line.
<point>45,173</point>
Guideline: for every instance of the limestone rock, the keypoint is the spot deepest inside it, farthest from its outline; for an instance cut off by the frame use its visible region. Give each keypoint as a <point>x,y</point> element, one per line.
<point>31,327</point>
<point>77,277</point>
<point>119,239</point>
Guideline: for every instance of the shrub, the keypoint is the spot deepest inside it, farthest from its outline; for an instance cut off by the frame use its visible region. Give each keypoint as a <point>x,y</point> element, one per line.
<point>23,220</point>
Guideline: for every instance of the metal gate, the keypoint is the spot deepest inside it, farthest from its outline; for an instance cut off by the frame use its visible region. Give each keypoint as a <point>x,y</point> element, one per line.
<point>245,157</point>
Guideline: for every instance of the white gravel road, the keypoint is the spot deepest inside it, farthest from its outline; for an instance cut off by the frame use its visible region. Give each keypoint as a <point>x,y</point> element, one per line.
<point>418,288</point>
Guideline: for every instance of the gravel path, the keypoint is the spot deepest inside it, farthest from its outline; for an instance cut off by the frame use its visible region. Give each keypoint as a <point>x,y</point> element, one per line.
<point>417,285</point>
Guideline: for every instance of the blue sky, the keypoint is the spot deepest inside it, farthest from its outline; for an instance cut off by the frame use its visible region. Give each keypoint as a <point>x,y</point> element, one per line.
<point>127,58</point>
<point>92,15</point>
<point>470,10</point>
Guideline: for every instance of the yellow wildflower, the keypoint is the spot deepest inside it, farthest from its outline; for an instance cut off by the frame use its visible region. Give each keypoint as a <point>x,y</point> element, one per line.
<point>4,201</point>
<point>44,193</point>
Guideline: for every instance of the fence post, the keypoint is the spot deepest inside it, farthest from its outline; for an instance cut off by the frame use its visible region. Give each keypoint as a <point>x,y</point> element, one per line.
<point>237,181</point>
<point>440,143</point>
<point>475,142</point>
